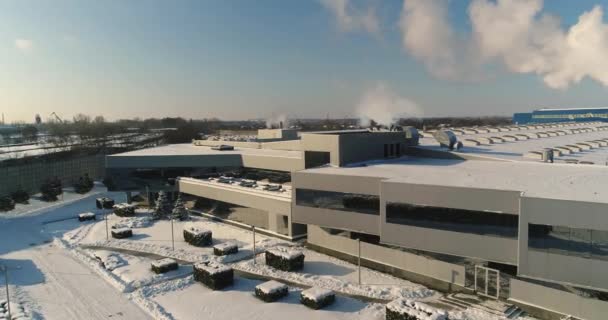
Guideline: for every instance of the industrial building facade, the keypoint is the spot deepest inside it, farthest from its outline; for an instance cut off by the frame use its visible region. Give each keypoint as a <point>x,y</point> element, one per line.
<point>561,115</point>
<point>533,233</point>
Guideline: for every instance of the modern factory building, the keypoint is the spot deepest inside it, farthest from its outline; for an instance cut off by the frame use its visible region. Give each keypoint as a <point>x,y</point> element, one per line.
<point>561,115</point>
<point>498,224</point>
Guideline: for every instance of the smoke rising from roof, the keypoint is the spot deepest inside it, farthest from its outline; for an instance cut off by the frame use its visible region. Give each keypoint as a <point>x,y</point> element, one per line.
<point>382,105</point>
<point>275,122</point>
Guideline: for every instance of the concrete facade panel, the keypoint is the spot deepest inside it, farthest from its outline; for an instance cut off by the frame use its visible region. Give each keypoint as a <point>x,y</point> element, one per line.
<point>558,301</point>
<point>358,222</point>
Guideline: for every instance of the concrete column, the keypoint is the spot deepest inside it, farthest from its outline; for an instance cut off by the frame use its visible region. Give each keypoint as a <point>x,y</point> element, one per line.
<point>272,222</point>
<point>129,197</point>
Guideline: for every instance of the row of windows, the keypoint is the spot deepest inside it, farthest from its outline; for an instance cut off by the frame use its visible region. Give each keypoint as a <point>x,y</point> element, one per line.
<point>392,150</point>
<point>586,243</point>
<point>450,219</point>
<point>351,202</point>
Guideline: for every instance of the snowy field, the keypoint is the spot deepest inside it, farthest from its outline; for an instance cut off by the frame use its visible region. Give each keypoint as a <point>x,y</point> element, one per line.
<point>64,269</point>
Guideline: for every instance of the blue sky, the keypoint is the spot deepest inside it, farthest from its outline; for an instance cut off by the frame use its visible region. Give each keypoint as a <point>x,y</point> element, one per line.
<point>239,60</point>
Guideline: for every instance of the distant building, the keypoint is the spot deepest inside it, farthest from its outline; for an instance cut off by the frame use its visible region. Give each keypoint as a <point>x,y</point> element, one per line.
<point>561,115</point>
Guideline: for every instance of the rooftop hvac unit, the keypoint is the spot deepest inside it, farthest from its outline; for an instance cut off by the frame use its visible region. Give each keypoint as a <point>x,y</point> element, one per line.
<point>547,155</point>
<point>412,135</point>
<point>446,138</point>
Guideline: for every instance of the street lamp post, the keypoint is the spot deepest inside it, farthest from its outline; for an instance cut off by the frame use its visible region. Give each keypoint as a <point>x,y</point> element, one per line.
<point>172,236</point>
<point>8,298</point>
<point>253,227</point>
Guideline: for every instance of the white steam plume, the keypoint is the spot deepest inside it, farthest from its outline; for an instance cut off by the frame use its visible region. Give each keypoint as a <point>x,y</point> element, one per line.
<point>384,106</point>
<point>350,18</point>
<point>513,32</point>
<point>275,121</point>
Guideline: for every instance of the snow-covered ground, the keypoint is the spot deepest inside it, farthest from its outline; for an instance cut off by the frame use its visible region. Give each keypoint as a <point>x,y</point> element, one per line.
<point>65,269</point>
<point>46,278</point>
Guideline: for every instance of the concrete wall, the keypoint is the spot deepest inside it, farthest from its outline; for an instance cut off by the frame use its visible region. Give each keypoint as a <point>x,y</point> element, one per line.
<point>490,248</point>
<point>272,134</point>
<point>323,142</point>
<point>447,272</point>
<point>357,147</point>
<point>293,145</point>
<point>272,163</point>
<point>351,221</point>
<point>556,267</point>
<point>558,301</point>
<point>30,175</point>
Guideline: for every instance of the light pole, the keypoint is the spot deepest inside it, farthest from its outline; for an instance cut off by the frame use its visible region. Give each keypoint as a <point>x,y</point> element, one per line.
<point>8,298</point>
<point>172,236</point>
<point>359,259</point>
<point>253,227</point>
<point>105,214</point>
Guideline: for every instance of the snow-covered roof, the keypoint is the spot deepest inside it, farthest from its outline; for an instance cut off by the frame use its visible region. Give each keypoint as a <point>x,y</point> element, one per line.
<point>225,246</point>
<point>316,293</point>
<point>212,268</point>
<point>196,230</point>
<point>286,253</point>
<point>511,149</point>
<point>86,214</point>
<point>271,286</point>
<point>163,262</point>
<point>545,180</point>
<point>190,149</point>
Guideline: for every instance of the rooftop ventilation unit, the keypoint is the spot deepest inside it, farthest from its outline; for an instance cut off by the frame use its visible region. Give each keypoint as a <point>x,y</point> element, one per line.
<point>223,147</point>
<point>446,138</point>
<point>412,135</point>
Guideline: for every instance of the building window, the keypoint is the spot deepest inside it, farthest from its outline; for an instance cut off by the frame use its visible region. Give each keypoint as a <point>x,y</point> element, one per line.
<point>398,149</point>
<point>386,150</point>
<point>392,150</point>
<point>359,203</point>
<point>585,243</point>
<point>456,220</point>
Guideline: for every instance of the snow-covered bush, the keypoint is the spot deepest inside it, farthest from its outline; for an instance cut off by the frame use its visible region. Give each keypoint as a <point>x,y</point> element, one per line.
<point>84,184</point>
<point>271,291</point>
<point>163,206</point>
<point>213,275</point>
<point>51,189</point>
<point>197,236</point>
<point>317,298</point>
<point>6,203</point>
<point>122,233</point>
<point>164,265</point>
<point>20,196</point>
<point>179,210</point>
<point>285,259</point>
<point>134,222</point>
<point>124,210</point>
<point>86,216</point>
<point>225,248</point>
<point>104,203</point>
<point>18,311</point>
<point>404,309</point>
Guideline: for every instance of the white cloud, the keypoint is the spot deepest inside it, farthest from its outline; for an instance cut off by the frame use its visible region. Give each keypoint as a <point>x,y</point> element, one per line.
<point>349,18</point>
<point>24,45</point>
<point>512,32</point>
<point>381,104</point>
